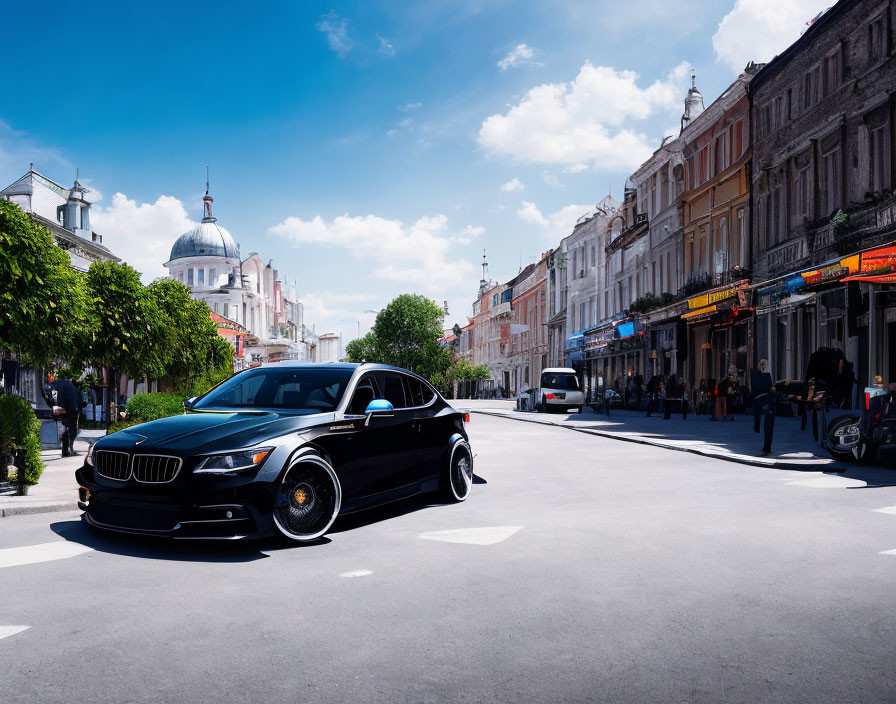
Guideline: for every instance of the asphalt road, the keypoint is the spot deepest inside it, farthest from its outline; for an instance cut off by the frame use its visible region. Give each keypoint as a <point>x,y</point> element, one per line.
<point>615,573</point>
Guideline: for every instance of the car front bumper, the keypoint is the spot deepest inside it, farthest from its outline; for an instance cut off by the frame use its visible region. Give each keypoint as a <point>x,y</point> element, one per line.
<point>242,511</point>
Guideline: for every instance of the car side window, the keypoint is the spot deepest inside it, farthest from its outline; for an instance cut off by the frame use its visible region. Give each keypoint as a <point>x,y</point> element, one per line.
<point>392,389</point>
<point>365,392</point>
<point>418,393</point>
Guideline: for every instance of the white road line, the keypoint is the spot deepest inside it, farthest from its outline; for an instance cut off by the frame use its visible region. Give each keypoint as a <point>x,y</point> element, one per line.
<point>888,552</point>
<point>7,631</point>
<point>473,536</point>
<point>356,573</point>
<point>887,509</point>
<point>44,552</point>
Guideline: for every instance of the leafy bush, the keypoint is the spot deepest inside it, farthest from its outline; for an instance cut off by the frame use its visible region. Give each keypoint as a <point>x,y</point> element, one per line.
<point>145,407</point>
<point>20,430</point>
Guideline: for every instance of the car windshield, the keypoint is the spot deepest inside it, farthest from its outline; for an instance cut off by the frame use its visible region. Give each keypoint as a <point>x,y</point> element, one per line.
<point>557,380</point>
<point>301,390</point>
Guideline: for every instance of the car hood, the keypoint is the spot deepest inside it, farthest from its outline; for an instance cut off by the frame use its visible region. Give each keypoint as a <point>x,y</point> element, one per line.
<point>199,433</point>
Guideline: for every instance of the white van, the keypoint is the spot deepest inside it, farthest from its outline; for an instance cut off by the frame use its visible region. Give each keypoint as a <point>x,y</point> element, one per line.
<point>559,389</point>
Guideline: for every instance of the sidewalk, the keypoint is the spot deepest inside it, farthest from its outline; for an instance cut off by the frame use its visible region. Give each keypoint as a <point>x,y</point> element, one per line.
<point>57,489</point>
<point>733,442</point>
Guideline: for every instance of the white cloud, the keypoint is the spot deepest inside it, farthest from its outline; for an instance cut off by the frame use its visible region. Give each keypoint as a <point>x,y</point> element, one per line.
<point>758,30</point>
<point>512,185</point>
<point>575,168</point>
<point>530,213</point>
<point>550,179</point>
<point>469,233</point>
<point>142,235</point>
<point>520,55</point>
<point>585,121</point>
<point>407,107</point>
<point>386,48</point>
<point>417,254</point>
<point>558,224</point>
<point>334,28</point>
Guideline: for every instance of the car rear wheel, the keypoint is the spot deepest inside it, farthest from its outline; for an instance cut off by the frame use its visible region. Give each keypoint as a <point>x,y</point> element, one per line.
<point>460,473</point>
<point>308,500</point>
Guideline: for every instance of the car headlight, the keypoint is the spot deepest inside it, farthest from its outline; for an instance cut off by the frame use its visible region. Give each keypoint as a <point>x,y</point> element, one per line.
<point>88,458</point>
<point>232,461</point>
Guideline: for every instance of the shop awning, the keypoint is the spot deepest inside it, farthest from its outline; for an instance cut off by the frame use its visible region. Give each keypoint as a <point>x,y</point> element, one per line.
<point>873,278</point>
<point>708,310</point>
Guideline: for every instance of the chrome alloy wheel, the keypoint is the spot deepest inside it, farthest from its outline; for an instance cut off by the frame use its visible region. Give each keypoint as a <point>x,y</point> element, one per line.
<point>460,473</point>
<point>308,500</point>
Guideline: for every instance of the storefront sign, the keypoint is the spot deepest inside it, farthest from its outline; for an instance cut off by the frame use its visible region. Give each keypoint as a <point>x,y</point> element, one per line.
<point>707,299</point>
<point>672,311</point>
<point>881,260</point>
<point>886,216</point>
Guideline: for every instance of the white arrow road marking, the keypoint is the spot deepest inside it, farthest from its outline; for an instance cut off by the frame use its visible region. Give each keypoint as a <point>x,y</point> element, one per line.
<point>828,482</point>
<point>473,536</point>
<point>356,573</point>
<point>7,631</point>
<point>887,509</point>
<point>888,552</point>
<point>44,552</point>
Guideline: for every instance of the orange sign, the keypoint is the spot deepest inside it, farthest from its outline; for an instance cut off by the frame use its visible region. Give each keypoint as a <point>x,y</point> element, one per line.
<point>878,260</point>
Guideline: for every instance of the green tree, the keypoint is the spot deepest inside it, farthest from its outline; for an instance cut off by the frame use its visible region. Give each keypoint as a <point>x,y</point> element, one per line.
<point>44,304</point>
<point>406,334</point>
<point>464,371</point>
<point>362,349</point>
<point>127,324</point>
<point>192,355</point>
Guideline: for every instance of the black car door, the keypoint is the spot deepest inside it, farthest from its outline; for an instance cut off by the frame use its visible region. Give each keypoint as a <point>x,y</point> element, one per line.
<point>432,428</point>
<point>389,447</point>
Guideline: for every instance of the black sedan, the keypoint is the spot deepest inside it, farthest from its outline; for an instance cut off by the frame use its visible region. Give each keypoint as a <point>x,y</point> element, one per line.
<point>280,448</point>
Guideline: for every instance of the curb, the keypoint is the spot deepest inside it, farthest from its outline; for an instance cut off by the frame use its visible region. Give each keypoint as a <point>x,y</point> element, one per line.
<point>44,507</point>
<point>830,467</point>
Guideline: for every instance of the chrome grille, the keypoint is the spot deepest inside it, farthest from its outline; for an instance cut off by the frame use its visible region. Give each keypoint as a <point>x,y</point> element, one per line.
<point>112,465</point>
<point>156,469</point>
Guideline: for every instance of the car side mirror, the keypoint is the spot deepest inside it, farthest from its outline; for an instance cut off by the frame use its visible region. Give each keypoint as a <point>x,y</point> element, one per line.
<point>189,403</point>
<point>378,407</point>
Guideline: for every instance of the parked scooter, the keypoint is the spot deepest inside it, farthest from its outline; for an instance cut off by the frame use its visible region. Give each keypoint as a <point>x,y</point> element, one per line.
<point>858,438</point>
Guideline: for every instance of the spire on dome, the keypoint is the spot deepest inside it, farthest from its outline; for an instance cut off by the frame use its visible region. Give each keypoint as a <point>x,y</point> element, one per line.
<point>207,202</point>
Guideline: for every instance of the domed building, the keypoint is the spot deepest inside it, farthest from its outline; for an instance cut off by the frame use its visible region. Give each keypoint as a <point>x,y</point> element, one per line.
<point>247,300</point>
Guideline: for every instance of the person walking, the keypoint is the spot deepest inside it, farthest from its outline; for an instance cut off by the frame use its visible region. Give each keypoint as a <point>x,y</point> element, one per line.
<point>68,402</point>
<point>764,403</point>
<point>727,390</point>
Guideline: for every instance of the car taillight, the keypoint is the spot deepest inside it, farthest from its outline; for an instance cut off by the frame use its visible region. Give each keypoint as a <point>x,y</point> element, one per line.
<point>867,400</point>
<point>549,397</point>
<point>466,417</point>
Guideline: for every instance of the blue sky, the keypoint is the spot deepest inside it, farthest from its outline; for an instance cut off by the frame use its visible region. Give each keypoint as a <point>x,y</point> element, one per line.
<point>367,148</point>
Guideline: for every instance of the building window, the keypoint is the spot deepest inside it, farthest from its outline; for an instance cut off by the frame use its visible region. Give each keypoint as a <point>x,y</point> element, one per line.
<point>737,141</point>
<point>201,276</point>
<point>721,157</point>
<point>789,105</point>
<point>831,188</point>
<point>876,40</point>
<point>832,72</point>
<point>212,276</point>
<point>190,276</point>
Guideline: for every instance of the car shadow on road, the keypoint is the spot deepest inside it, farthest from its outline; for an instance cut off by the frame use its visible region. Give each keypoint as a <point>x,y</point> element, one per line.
<point>384,512</point>
<point>152,548</point>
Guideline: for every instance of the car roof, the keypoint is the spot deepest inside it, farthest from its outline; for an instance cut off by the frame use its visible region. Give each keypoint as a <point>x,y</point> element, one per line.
<point>558,370</point>
<point>364,366</point>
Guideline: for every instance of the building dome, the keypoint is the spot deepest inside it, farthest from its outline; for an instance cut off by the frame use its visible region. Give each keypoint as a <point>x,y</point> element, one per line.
<point>207,239</point>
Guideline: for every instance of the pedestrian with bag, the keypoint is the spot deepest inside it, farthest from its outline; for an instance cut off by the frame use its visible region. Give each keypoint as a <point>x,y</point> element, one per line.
<point>66,410</point>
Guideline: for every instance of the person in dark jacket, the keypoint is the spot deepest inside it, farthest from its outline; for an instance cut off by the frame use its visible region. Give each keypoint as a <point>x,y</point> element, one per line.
<point>68,400</point>
<point>764,403</point>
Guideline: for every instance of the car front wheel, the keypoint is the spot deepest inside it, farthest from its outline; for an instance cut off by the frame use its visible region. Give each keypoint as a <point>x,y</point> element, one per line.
<point>308,500</point>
